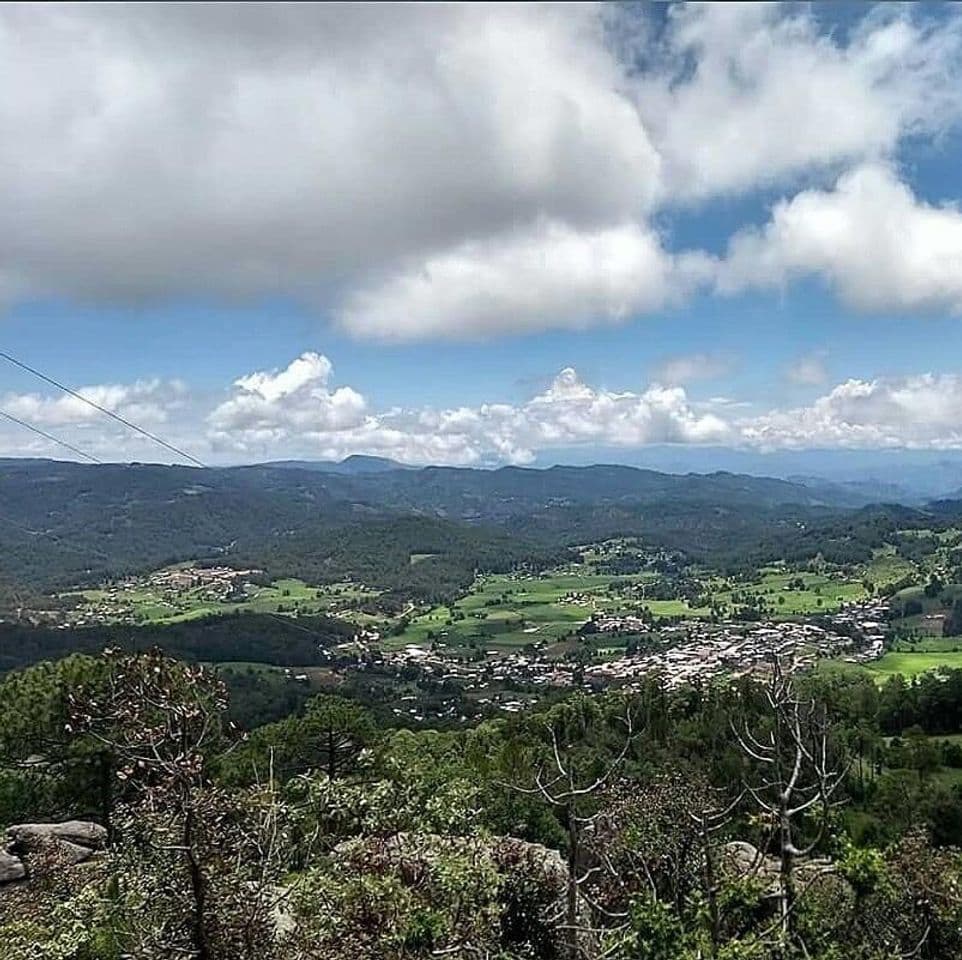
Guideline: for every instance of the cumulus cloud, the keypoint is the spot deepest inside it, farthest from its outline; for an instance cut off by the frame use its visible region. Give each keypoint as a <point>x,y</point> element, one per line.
<point>876,243</point>
<point>748,94</point>
<point>568,413</point>
<point>298,412</point>
<point>548,276</point>
<point>148,402</point>
<point>274,404</point>
<point>920,412</point>
<point>384,164</point>
<point>244,150</point>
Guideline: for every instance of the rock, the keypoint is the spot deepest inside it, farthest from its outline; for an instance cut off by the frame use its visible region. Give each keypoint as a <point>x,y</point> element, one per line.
<point>745,857</point>
<point>11,868</point>
<point>72,853</point>
<point>81,833</point>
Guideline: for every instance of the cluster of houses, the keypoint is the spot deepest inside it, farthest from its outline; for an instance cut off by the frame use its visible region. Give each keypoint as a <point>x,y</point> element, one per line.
<point>171,587</point>
<point>687,651</point>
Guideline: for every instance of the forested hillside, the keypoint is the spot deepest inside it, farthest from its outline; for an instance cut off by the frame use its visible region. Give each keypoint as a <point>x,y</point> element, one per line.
<point>62,523</point>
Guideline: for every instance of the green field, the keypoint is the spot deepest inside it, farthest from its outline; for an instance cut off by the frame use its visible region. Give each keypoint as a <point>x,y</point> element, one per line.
<point>502,612</point>
<point>822,593</point>
<point>149,604</point>
<point>908,665</point>
<point>509,611</point>
<point>912,664</point>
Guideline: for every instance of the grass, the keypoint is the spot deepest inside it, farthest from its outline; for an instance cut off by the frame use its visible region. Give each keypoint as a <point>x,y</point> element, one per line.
<point>821,593</point>
<point>149,604</point>
<point>507,612</point>
<point>912,664</point>
<point>897,663</point>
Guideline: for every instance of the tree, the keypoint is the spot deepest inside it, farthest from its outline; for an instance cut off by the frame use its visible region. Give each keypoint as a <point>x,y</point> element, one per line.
<point>799,776</point>
<point>160,719</point>
<point>52,771</point>
<point>566,783</point>
<point>330,736</point>
<point>952,627</point>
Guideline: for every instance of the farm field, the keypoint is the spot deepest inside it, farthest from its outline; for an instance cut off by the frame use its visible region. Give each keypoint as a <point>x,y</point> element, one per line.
<point>506,611</point>
<point>509,611</point>
<point>908,665</point>
<point>149,603</point>
<point>912,664</point>
<point>501,611</point>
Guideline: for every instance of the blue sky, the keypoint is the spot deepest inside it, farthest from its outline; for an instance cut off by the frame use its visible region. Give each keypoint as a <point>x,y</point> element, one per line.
<point>483,235</point>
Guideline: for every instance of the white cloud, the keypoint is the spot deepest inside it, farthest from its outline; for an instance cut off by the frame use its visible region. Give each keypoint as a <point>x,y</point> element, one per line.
<point>568,413</point>
<point>687,368</point>
<point>270,406</point>
<point>877,244</point>
<point>297,412</point>
<point>147,402</point>
<point>748,94</point>
<point>424,171</point>
<point>551,276</point>
<point>920,412</point>
<point>808,371</point>
<point>246,150</point>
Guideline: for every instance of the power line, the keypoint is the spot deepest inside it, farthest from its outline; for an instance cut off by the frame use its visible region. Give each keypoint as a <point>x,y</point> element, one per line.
<point>49,436</point>
<point>103,410</point>
<point>289,621</point>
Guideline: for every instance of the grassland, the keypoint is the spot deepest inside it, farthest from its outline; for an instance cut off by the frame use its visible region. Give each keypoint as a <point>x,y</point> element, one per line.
<point>504,612</point>
<point>509,611</point>
<point>149,603</point>
<point>912,664</point>
<point>894,663</point>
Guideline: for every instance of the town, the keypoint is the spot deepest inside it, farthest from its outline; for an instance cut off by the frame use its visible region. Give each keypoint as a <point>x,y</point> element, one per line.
<point>686,652</point>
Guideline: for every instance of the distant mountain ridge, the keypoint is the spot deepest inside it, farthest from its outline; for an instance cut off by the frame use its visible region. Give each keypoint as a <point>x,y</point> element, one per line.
<point>63,523</point>
<point>354,464</point>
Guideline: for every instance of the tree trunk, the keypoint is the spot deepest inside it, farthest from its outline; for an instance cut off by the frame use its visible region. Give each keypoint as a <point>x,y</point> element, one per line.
<point>198,890</point>
<point>711,890</point>
<point>786,878</point>
<point>572,951</point>
<point>107,794</point>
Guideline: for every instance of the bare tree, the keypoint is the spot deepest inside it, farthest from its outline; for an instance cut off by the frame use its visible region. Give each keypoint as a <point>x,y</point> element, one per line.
<point>559,784</point>
<point>709,823</point>
<point>798,780</point>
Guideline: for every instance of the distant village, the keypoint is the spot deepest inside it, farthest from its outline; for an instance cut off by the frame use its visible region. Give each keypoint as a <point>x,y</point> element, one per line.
<point>688,651</point>
<point>683,651</point>
<point>171,587</point>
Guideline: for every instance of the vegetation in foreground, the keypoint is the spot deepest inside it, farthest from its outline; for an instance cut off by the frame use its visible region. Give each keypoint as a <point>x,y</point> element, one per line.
<point>775,819</point>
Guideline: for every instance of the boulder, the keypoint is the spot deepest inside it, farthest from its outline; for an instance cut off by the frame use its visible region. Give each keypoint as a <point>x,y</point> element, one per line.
<point>72,853</point>
<point>81,833</point>
<point>11,868</point>
<point>745,858</point>
<point>742,859</point>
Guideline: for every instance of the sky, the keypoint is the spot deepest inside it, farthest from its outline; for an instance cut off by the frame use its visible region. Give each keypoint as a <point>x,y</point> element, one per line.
<point>481,235</point>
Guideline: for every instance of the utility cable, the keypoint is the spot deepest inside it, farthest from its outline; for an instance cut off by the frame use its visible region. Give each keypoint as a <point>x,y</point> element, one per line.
<point>103,410</point>
<point>49,436</point>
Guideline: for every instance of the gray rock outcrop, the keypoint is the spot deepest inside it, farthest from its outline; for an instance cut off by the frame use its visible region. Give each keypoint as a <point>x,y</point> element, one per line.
<point>48,846</point>
<point>11,868</point>
<point>81,832</point>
